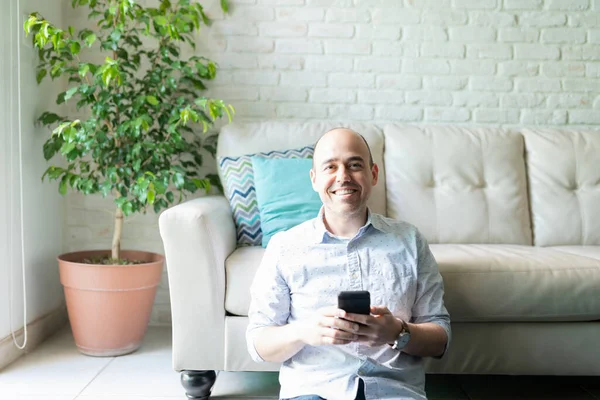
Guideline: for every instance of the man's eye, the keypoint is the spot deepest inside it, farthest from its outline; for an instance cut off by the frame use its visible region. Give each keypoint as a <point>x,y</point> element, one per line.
<point>356,165</point>
<point>328,167</point>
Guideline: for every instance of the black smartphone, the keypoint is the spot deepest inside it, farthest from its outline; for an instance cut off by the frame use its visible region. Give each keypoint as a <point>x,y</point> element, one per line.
<point>355,301</point>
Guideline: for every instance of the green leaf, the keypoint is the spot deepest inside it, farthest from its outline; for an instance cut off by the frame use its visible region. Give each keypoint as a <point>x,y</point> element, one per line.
<point>127,208</point>
<point>60,98</point>
<point>161,20</point>
<point>201,183</point>
<point>178,180</point>
<point>40,75</point>
<point>62,187</point>
<point>152,100</point>
<point>170,197</point>
<point>225,5</point>
<point>75,47</point>
<point>48,118</point>
<point>151,196</point>
<point>50,149</point>
<point>160,188</point>
<point>107,76</point>
<point>116,35</point>
<point>84,69</point>
<point>31,21</point>
<point>90,39</point>
<point>69,93</point>
<point>55,172</point>
<point>67,148</point>
<point>215,181</point>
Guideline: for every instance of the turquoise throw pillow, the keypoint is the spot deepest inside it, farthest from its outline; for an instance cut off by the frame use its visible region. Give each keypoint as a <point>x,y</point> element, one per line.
<point>284,194</point>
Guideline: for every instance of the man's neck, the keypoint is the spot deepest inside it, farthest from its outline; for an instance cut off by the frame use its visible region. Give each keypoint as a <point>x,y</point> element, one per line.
<point>344,225</point>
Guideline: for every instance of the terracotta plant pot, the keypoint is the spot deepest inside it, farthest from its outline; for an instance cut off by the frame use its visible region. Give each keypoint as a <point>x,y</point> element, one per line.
<point>109,305</point>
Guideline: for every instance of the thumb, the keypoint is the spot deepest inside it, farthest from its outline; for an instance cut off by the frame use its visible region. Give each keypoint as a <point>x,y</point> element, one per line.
<point>380,310</point>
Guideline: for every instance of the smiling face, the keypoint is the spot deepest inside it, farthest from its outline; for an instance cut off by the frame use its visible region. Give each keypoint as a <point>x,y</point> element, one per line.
<point>342,174</point>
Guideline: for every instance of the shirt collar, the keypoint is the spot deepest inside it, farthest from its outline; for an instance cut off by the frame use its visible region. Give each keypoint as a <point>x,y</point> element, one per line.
<point>321,232</point>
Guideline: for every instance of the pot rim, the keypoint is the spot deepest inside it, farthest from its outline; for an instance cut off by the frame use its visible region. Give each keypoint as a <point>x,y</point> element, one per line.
<point>62,258</point>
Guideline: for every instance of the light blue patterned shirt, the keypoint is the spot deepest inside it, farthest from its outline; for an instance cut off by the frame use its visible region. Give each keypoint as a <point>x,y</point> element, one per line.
<point>305,268</point>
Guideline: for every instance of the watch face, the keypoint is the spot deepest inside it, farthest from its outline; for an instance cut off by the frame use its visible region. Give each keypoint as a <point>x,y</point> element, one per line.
<point>402,340</point>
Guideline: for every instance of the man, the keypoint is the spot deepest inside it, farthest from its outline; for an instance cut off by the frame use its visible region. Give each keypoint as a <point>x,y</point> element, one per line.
<point>326,352</point>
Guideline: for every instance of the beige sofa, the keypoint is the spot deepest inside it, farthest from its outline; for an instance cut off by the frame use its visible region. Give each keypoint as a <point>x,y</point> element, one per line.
<point>512,216</point>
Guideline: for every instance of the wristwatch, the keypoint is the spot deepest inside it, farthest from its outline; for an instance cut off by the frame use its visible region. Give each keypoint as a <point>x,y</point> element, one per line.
<point>403,338</point>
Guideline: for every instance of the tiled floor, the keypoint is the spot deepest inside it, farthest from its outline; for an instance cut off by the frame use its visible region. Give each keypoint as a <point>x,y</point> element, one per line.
<point>57,371</point>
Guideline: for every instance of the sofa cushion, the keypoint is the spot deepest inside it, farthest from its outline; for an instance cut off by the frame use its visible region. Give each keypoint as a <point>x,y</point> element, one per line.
<point>238,139</point>
<point>518,283</point>
<point>237,175</point>
<point>482,282</point>
<point>583,251</point>
<point>564,185</point>
<point>240,268</point>
<point>284,194</point>
<point>458,184</point>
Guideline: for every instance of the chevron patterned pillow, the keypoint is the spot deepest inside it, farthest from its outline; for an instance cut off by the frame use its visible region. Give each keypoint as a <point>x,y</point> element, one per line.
<point>238,177</point>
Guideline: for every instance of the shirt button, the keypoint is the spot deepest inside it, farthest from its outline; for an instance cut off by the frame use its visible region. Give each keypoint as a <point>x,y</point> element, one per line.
<point>354,275</point>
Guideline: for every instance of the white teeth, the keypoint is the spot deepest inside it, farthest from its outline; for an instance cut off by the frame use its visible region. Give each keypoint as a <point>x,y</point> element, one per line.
<point>347,191</point>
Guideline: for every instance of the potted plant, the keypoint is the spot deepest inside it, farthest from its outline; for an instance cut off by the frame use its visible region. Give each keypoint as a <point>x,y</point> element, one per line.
<point>135,143</point>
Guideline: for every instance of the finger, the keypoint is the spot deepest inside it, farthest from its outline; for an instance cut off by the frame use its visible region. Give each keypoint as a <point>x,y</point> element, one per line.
<point>345,325</point>
<point>380,310</point>
<point>339,334</point>
<point>327,322</point>
<point>358,318</point>
<point>332,311</point>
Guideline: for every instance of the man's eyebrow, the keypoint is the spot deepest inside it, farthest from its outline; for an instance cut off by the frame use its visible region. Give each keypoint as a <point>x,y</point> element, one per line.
<point>329,160</point>
<point>349,159</point>
<point>356,158</point>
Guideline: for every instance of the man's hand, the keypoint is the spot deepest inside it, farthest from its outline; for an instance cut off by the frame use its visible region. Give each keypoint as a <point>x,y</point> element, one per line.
<point>327,327</point>
<point>379,328</point>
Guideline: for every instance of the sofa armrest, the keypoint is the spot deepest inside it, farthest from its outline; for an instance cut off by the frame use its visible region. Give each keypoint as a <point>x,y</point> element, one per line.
<point>198,235</point>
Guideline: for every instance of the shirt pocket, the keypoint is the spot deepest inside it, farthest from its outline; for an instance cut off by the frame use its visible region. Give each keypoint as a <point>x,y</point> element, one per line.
<point>397,282</point>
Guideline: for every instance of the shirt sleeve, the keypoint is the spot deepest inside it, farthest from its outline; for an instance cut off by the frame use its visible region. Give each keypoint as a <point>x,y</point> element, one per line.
<point>429,303</point>
<point>269,296</point>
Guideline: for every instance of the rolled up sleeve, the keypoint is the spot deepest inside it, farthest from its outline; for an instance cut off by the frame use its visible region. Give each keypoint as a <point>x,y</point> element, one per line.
<point>429,304</point>
<point>269,297</point>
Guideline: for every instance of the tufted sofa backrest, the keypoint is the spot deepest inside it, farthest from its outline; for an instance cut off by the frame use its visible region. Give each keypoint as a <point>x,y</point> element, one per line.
<point>458,184</point>
<point>563,168</point>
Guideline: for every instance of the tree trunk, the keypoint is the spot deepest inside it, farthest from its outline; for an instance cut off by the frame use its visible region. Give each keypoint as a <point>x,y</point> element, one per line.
<point>116,242</point>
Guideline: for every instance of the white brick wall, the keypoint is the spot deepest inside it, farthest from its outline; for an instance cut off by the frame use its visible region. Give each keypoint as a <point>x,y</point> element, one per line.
<point>497,62</point>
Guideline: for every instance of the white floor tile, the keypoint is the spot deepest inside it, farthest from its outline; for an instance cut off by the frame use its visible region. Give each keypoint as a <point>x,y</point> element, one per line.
<point>148,372</point>
<point>247,384</point>
<point>128,397</point>
<point>56,369</point>
<point>35,397</point>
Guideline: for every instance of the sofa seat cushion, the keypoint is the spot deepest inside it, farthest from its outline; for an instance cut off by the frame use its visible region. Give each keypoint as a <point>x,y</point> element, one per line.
<point>518,283</point>
<point>584,251</point>
<point>240,268</point>
<point>482,282</point>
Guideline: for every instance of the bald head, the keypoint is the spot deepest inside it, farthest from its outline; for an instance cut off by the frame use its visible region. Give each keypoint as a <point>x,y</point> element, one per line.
<point>344,131</point>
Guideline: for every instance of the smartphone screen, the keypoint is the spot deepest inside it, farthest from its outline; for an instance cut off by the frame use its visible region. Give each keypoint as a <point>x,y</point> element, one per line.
<point>355,301</point>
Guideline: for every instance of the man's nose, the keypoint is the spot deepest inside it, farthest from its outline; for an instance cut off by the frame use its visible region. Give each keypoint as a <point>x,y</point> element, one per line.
<point>342,174</point>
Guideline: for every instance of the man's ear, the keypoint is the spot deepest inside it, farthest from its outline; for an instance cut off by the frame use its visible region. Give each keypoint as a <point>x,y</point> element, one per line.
<point>375,174</point>
<point>312,179</point>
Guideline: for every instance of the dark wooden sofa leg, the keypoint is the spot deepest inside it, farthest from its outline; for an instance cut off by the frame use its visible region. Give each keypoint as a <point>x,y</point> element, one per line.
<point>198,384</point>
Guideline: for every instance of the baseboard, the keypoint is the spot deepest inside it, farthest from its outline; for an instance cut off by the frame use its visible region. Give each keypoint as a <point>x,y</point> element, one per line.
<point>38,330</point>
